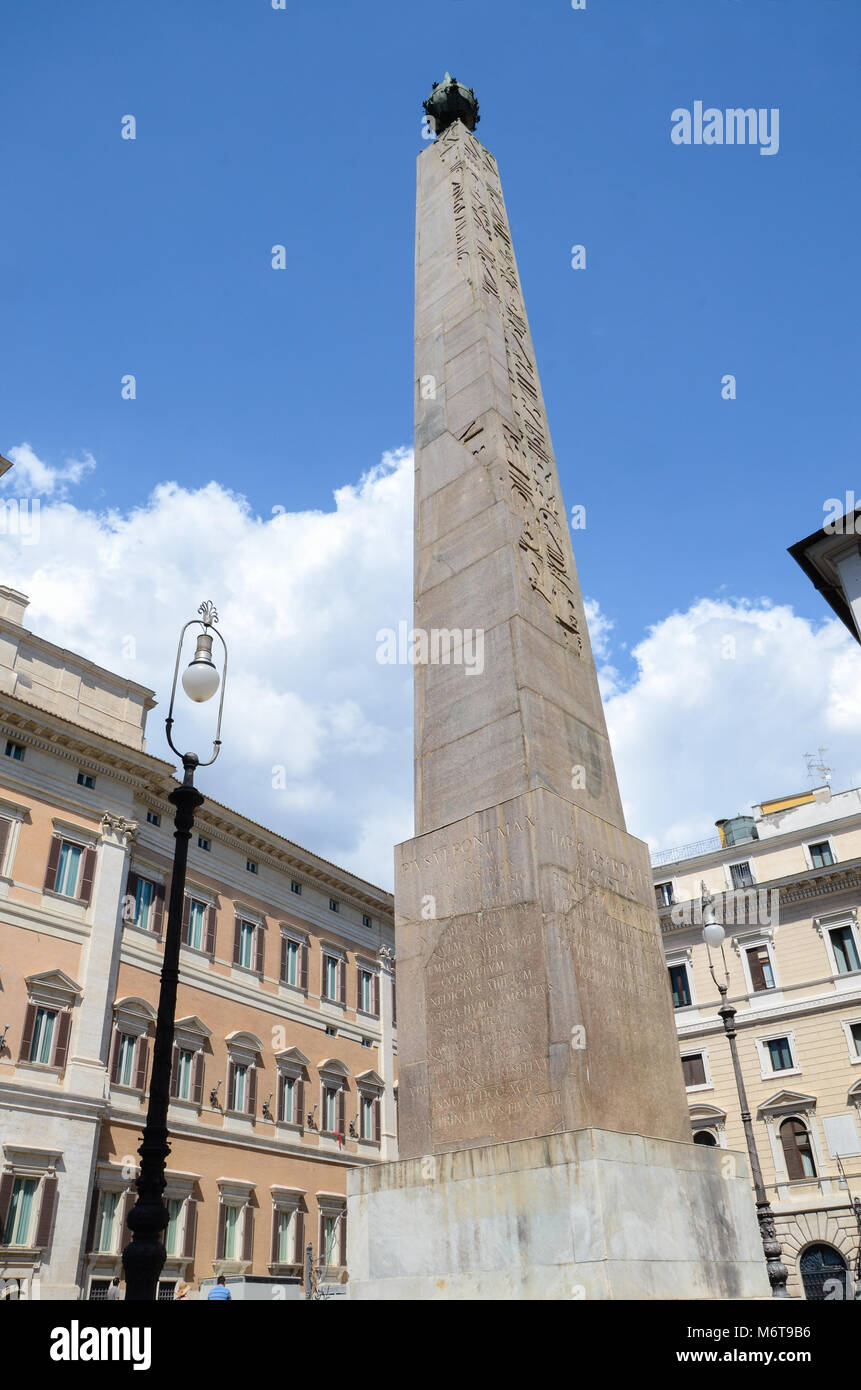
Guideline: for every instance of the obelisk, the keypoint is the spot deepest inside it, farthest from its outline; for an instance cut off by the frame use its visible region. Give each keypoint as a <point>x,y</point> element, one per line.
<point>537,1051</point>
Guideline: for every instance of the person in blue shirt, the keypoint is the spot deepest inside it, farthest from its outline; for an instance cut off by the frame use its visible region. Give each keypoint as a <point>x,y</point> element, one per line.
<point>219,1291</point>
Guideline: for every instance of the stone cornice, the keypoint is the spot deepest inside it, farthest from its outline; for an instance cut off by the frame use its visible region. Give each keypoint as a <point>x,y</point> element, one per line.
<point>793,888</point>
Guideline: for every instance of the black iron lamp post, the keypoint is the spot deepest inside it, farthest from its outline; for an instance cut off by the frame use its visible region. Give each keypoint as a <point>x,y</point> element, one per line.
<point>144,1256</point>
<point>713,935</point>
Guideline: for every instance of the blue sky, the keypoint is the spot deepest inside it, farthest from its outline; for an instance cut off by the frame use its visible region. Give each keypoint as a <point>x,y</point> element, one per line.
<point>301,127</point>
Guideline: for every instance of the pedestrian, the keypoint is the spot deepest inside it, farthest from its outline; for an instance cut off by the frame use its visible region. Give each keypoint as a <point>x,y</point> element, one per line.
<point>219,1291</point>
<point>113,1292</point>
<point>182,1291</point>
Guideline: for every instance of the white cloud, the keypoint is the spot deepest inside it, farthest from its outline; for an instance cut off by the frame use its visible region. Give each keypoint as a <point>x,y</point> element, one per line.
<point>717,711</point>
<point>31,477</point>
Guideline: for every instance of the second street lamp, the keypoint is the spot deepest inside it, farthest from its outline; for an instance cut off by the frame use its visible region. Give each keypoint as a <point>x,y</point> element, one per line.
<point>713,936</point>
<point>144,1256</point>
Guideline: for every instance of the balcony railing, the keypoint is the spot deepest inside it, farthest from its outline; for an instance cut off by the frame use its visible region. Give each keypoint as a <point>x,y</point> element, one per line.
<point>690,851</point>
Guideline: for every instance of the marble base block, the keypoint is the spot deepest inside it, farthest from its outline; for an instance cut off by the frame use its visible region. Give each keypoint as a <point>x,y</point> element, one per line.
<point>589,1214</point>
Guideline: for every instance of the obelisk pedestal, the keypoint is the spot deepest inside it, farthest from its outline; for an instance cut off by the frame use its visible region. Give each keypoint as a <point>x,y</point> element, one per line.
<point>543,1126</point>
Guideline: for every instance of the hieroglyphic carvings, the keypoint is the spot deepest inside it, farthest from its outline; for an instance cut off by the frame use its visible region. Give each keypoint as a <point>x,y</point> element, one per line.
<point>486,256</point>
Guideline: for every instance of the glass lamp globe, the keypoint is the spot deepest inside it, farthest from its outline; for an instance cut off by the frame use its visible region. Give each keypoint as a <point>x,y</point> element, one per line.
<point>713,934</point>
<point>200,681</point>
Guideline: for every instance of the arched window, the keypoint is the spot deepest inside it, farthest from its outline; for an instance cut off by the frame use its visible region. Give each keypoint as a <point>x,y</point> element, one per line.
<point>823,1273</point>
<point>796,1150</point>
<point>705,1136</point>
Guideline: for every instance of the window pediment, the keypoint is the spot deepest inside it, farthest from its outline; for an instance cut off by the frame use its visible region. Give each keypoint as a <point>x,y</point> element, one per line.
<point>53,987</point>
<point>371,1080</point>
<point>291,1056</point>
<point>246,1042</point>
<point>331,1066</point>
<point>193,1026</point>
<point>785,1102</point>
<point>133,1008</point>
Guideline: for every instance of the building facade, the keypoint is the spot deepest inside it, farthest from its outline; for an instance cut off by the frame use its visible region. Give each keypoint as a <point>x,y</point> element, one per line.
<point>285,1042</point>
<point>787,887</point>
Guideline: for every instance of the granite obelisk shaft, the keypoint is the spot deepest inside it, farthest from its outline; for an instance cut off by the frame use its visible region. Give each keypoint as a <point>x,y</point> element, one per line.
<point>532,987</point>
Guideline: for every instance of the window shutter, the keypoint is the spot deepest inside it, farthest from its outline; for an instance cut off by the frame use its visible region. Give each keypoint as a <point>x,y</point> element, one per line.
<point>127,1235</point>
<point>64,1028</point>
<point>141,1050</point>
<point>276,1218</point>
<point>209,941</point>
<point>359,973</point>
<point>342,981</point>
<point>91,1221</point>
<point>5,828</point>
<point>376,1121</point>
<point>6,1184</point>
<point>115,1057</point>
<point>259,949</point>
<point>324,958</point>
<point>299,1102</point>
<point>342,1239</point>
<point>174,1071</point>
<point>231,1068</point>
<point>190,1232</point>
<point>157,908</point>
<point>131,891</point>
<point>197,1078</point>
<point>248,1234</point>
<point>46,1211</point>
<point>53,864</point>
<point>88,872</point>
<point>341,1109</point>
<point>303,966</point>
<point>251,1098</point>
<point>237,930</point>
<point>219,1239</point>
<point>283,974</point>
<point>27,1033</point>
<point>186,917</point>
<point>377,994</point>
<point>394,1001</point>
<point>298,1237</point>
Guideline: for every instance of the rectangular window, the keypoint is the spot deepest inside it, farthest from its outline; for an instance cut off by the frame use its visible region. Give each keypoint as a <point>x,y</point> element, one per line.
<point>664,894</point>
<point>780,1054</point>
<point>291,963</point>
<point>171,1235</point>
<point>295,887</point>
<point>231,1233</point>
<point>330,1239</point>
<point>289,1094</point>
<point>855,1030</point>
<point>820,855</point>
<point>240,1077</point>
<point>331,978</point>
<point>330,1109</point>
<point>366,920</point>
<point>679,985</point>
<point>252,866</point>
<point>366,991</point>
<point>86,779</point>
<point>741,875</point>
<point>285,1237</point>
<point>15,750</point>
<point>144,893</point>
<point>845,950</point>
<point>126,1064</point>
<point>153,818</point>
<point>334,905</point>
<point>41,1046</point>
<point>246,945</point>
<point>203,843</point>
<point>761,973</point>
<point>68,870</point>
<point>196,922</point>
<point>184,1066</point>
<point>694,1068</point>
<point>20,1217</point>
<point>367,1117</point>
<point>108,1202</point>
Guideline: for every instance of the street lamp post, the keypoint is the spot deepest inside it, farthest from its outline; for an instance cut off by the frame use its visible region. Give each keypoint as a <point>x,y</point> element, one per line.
<point>144,1256</point>
<point>713,935</point>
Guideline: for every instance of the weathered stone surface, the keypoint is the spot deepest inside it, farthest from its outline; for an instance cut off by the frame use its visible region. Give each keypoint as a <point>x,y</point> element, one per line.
<point>589,1215</point>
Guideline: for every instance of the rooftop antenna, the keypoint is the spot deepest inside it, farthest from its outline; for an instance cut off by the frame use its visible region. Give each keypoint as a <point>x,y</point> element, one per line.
<point>821,767</point>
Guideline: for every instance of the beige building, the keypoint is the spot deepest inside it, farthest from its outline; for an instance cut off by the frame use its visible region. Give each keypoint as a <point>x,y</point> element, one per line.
<point>787,886</point>
<point>284,1044</point>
